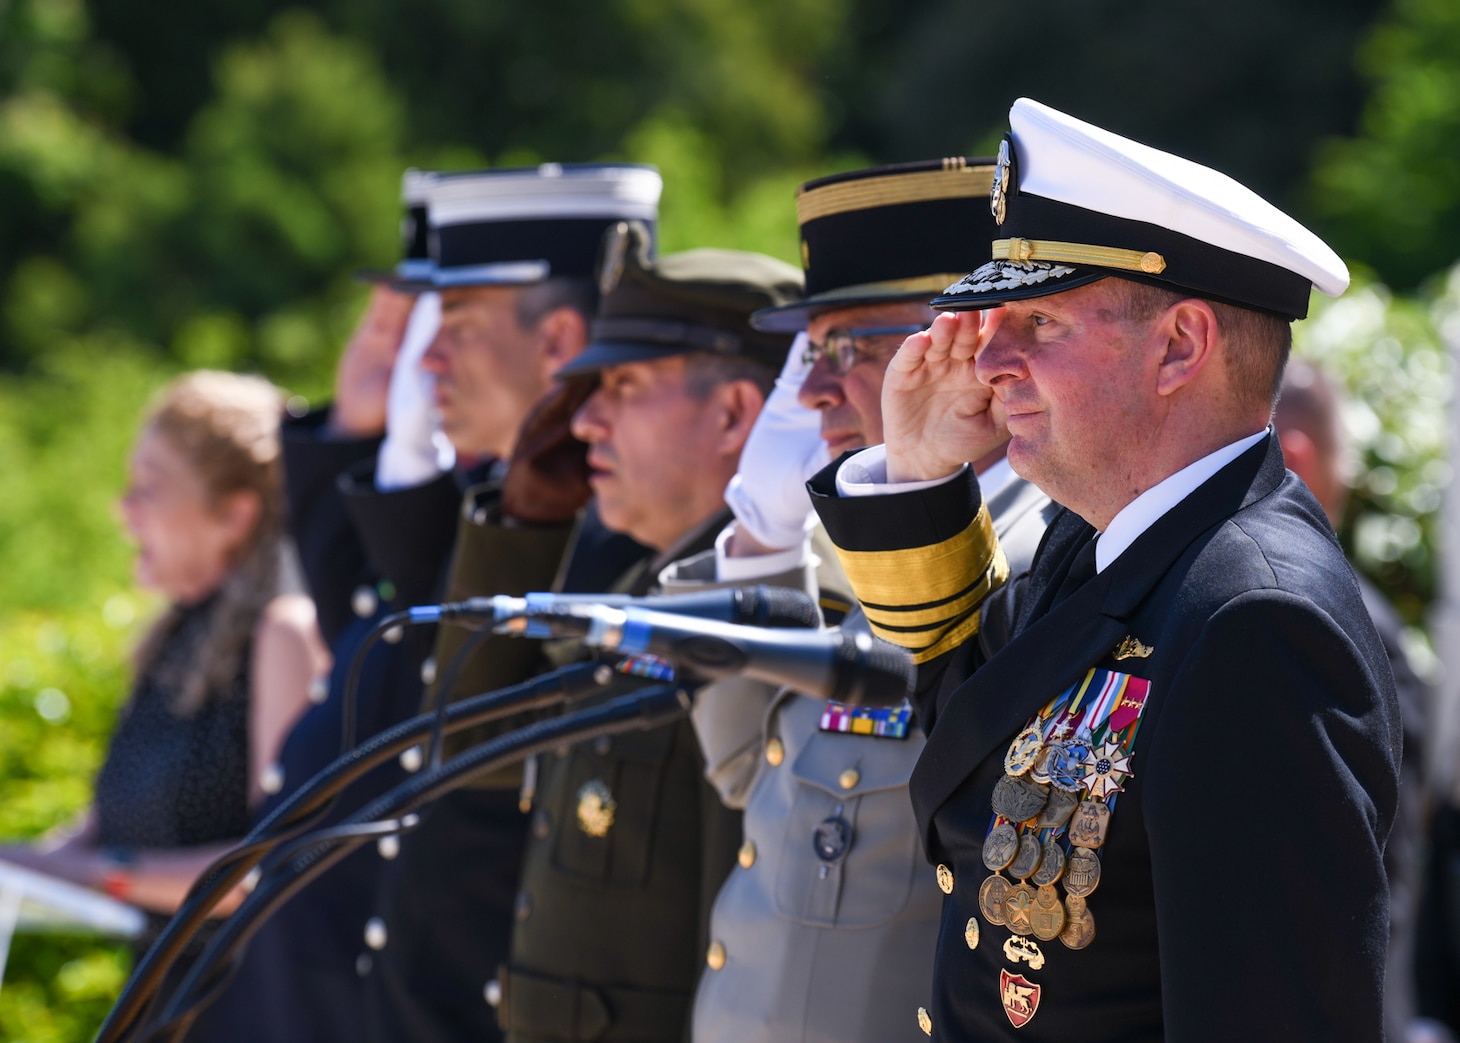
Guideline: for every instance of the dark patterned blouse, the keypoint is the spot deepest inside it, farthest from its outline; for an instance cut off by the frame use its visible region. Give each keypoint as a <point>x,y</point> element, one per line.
<point>171,781</point>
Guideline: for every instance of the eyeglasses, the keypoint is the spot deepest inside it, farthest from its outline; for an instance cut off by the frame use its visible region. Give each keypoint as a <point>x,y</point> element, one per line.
<point>842,351</point>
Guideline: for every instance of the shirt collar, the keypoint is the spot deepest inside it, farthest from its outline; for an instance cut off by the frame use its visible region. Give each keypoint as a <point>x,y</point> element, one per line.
<point>1146,509</point>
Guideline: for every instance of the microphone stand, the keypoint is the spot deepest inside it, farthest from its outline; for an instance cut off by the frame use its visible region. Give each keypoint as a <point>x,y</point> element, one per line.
<point>649,708</point>
<point>313,798</point>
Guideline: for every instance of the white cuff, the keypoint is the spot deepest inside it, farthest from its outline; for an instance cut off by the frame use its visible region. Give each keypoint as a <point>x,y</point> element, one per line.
<point>757,566</point>
<point>866,475</point>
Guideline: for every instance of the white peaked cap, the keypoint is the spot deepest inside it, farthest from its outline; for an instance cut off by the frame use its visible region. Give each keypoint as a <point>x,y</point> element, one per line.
<point>1075,203</point>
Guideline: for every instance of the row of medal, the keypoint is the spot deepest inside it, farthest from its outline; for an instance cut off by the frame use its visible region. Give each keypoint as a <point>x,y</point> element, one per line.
<point>1061,777</point>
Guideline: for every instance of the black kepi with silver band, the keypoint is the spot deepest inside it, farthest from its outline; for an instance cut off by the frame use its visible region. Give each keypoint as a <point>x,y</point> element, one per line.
<point>517,226</point>
<point>1074,203</point>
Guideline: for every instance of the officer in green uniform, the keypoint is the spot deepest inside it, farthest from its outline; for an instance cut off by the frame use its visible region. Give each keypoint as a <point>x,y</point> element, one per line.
<point>628,844</point>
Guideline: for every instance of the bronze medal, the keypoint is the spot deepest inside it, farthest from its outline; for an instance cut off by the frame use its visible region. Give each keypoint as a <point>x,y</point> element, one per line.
<point>1019,799</point>
<point>1023,752</point>
<point>1049,914</point>
<point>1000,846</point>
<point>1079,924</point>
<point>1051,864</point>
<point>1026,859</point>
<point>1057,809</point>
<point>1019,909</point>
<point>991,896</point>
<point>1082,872</point>
<point>1089,823</point>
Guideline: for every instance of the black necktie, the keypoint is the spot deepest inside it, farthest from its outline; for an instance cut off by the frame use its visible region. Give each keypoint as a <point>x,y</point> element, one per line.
<point>1082,571</point>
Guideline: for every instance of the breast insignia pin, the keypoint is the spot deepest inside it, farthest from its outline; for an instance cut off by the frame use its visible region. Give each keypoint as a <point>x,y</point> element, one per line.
<point>1131,648</point>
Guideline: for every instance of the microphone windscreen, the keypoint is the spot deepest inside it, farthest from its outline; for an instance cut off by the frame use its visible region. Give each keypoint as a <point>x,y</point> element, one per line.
<point>778,607</point>
<point>875,672</point>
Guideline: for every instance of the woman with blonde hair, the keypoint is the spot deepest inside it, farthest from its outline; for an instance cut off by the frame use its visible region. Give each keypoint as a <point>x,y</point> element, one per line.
<point>223,673</point>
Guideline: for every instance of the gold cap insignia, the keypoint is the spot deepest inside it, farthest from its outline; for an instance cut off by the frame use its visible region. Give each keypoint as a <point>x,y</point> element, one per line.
<point>999,193</point>
<point>1130,648</point>
<point>595,808</point>
<point>615,248</point>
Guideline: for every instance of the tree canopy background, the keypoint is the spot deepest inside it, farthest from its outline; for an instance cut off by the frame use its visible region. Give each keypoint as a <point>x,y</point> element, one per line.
<point>190,184</point>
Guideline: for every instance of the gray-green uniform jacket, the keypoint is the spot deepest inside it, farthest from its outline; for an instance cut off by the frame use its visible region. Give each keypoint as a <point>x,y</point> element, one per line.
<point>835,944</point>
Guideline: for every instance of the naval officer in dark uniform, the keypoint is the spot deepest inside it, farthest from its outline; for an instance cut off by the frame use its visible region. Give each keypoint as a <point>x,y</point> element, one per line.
<point>627,843</point>
<point>1161,768</point>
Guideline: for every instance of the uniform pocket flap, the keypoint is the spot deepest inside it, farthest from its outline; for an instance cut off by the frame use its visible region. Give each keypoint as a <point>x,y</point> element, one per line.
<point>848,765</point>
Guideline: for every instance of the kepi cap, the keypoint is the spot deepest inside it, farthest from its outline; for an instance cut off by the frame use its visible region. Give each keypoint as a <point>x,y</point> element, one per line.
<point>517,226</point>
<point>891,233</point>
<point>699,300</point>
<point>413,272</point>
<point>1074,203</point>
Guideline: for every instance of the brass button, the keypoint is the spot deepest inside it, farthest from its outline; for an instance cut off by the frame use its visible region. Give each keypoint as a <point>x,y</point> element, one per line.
<point>747,854</point>
<point>522,907</point>
<point>775,752</point>
<point>925,1021</point>
<point>849,778</point>
<point>715,957</point>
<point>945,879</point>
<point>970,933</point>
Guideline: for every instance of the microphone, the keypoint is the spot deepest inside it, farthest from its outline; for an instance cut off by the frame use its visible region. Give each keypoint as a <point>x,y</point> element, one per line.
<point>833,664</point>
<point>759,606</point>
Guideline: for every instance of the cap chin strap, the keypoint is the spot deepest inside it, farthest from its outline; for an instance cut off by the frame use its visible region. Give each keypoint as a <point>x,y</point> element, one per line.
<point>1026,250</point>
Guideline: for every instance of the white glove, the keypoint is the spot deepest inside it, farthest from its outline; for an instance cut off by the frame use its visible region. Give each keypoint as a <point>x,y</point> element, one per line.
<point>768,493</point>
<point>410,454</point>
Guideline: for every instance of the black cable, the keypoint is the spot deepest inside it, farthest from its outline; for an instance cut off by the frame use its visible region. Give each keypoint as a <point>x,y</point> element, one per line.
<point>312,800</point>
<point>446,681</point>
<point>649,708</point>
<point>357,666</point>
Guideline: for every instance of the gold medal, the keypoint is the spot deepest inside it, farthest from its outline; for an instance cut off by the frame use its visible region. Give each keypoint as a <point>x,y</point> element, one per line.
<point>1048,918</point>
<point>1026,859</point>
<point>1022,950</point>
<point>1079,928</point>
<point>1057,809</point>
<point>991,895</point>
<point>1000,846</point>
<point>1019,799</point>
<point>1082,872</point>
<point>1023,752</point>
<point>1019,909</point>
<point>1089,823</point>
<point>1051,864</point>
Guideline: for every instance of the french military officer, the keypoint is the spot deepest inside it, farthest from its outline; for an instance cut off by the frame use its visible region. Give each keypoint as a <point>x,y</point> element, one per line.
<point>827,928</point>
<point>1160,767</point>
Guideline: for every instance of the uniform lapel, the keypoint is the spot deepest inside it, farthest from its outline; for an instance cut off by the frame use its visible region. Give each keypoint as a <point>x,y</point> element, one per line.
<point>1054,651</point>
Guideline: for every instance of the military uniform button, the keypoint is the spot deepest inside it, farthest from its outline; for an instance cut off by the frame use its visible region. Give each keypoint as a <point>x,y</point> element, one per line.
<point>388,847</point>
<point>715,957</point>
<point>970,932</point>
<point>925,1021</point>
<point>479,516</point>
<point>775,752</point>
<point>364,601</point>
<point>428,670</point>
<point>542,824</point>
<point>945,879</point>
<point>363,963</point>
<point>319,689</point>
<point>393,635</point>
<point>849,778</point>
<point>492,993</point>
<point>522,907</point>
<point>411,759</point>
<point>602,745</point>
<point>375,933</point>
<point>747,854</point>
<point>272,780</point>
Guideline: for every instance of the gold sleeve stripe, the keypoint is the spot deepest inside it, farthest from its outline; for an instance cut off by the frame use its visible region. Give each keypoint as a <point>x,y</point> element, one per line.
<point>892,190</point>
<point>922,576</point>
<point>950,580</point>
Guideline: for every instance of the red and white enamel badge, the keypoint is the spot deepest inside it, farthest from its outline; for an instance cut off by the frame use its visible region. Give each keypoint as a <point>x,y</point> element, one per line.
<point>1020,996</point>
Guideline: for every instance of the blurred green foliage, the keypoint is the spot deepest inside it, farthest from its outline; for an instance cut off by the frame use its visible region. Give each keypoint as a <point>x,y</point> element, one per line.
<point>187,184</point>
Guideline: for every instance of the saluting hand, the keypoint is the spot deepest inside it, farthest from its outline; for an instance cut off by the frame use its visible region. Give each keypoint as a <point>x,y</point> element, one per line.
<point>362,382</point>
<point>936,415</point>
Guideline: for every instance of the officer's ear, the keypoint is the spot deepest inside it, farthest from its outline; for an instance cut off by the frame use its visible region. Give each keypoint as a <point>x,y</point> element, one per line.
<point>1186,339</point>
<point>562,335</point>
<point>740,402</point>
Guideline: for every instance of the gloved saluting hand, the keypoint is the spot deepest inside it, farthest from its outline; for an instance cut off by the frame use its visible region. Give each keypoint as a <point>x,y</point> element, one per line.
<point>785,448</point>
<point>409,455</point>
